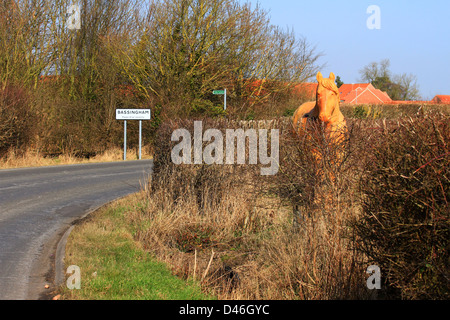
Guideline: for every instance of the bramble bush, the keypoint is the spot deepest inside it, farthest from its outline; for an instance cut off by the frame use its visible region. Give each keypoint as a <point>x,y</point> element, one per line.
<point>404,226</point>
<point>385,203</point>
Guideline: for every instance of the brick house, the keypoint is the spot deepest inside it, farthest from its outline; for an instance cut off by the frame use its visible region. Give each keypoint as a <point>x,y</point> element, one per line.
<point>357,93</point>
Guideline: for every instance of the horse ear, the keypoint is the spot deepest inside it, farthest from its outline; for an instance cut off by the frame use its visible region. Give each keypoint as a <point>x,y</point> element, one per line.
<point>319,77</point>
<point>332,76</point>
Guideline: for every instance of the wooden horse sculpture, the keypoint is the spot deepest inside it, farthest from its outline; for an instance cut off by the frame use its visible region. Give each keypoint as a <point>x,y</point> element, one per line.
<point>324,111</point>
<point>321,122</point>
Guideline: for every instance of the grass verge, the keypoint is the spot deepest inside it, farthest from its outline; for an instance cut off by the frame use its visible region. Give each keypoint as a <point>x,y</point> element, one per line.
<point>115,267</point>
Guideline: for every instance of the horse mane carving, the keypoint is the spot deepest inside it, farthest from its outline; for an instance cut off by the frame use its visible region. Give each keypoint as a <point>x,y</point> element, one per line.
<point>325,109</point>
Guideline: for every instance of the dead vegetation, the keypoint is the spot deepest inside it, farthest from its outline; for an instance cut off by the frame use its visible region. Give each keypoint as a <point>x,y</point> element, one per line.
<point>235,231</point>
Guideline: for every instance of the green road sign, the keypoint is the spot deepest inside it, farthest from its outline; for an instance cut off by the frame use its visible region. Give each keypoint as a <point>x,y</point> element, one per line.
<point>224,92</point>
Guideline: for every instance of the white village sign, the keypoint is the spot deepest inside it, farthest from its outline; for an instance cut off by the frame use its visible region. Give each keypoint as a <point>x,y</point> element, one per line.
<point>132,114</point>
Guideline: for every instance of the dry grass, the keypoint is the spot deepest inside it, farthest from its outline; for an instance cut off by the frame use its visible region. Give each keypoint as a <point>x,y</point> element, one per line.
<point>233,230</point>
<point>246,247</point>
<point>34,158</point>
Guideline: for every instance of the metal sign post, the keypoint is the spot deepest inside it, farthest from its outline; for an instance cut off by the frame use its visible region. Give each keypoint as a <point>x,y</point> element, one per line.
<point>225,100</point>
<point>125,140</point>
<point>224,92</point>
<point>132,114</point>
<point>140,139</point>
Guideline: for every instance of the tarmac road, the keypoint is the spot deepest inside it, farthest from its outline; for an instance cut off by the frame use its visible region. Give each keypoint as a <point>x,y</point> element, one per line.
<point>37,206</point>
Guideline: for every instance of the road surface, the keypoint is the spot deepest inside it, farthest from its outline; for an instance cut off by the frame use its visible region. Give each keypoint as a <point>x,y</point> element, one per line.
<point>37,205</point>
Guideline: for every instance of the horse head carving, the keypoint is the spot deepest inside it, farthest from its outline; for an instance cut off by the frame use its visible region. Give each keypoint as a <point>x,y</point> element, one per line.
<point>327,98</point>
<point>324,110</point>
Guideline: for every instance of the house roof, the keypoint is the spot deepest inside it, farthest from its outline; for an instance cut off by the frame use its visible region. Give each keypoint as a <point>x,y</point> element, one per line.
<point>362,93</point>
<point>349,93</point>
<point>393,102</point>
<point>442,99</point>
<point>346,88</point>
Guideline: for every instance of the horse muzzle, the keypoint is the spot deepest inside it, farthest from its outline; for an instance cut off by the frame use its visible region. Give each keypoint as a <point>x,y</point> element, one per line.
<point>324,118</point>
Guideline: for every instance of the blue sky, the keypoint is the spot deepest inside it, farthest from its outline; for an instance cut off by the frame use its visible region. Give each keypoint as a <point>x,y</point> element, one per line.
<point>414,35</point>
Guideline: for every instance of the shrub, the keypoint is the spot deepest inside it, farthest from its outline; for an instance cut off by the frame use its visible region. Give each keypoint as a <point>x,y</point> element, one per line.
<point>385,203</point>
<point>366,111</point>
<point>16,119</point>
<point>194,237</point>
<point>225,222</point>
<point>314,169</point>
<point>405,199</point>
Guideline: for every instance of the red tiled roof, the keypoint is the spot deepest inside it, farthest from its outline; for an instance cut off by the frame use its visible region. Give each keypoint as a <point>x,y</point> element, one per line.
<point>384,95</point>
<point>410,102</point>
<point>442,99</point>
<point>362,93</point>
<point>349,93</point>
<point>346,88</point>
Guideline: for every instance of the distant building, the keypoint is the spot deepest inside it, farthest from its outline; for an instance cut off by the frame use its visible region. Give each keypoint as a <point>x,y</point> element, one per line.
<point>362,93</point>
<point>441,99</point>
<point>349,93</point>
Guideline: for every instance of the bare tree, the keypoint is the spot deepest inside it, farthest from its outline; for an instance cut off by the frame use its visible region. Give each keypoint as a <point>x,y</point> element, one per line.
<point>171,53</point>
<point>24,39</point>
<point>398,87</point>
<point>375,70</point>
<point>187,48</point>
<point>408,85</point>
